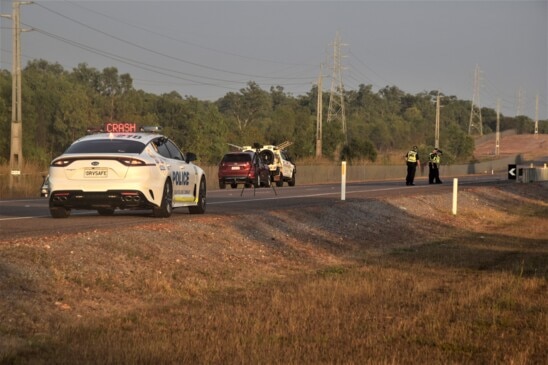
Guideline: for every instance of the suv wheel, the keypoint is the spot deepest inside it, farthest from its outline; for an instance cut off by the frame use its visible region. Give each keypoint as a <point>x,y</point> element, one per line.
<point>292,181</point>
<point>280,182</point>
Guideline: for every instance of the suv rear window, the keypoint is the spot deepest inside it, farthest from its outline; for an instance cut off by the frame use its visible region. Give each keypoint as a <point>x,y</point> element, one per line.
<point>106,146</point>
<point>237,157</point>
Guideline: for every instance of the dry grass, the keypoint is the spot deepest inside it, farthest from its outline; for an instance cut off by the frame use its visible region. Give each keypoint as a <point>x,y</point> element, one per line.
<point>396,282</point>
<point>21,186</point>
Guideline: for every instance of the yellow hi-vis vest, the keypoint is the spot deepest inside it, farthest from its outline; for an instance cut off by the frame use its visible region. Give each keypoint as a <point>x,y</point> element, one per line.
<point>411,156</point>
<point>435,158</point>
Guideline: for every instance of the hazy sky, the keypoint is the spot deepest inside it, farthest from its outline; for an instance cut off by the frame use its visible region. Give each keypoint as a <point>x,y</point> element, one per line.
<point>206,49</point>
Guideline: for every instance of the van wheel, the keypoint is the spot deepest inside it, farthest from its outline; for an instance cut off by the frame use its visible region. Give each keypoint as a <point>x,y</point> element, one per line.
<point>166,207</point>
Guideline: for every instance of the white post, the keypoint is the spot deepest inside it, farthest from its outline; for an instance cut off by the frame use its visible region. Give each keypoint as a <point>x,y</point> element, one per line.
<point>455,188</point>
<point>343,180</point>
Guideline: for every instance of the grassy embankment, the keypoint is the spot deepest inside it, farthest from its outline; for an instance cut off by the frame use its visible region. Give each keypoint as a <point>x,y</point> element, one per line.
<point>228,293</point>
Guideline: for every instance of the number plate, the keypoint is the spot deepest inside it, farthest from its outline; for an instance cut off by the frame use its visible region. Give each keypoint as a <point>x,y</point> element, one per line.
<point>235,167</point>
<point>95,173</point>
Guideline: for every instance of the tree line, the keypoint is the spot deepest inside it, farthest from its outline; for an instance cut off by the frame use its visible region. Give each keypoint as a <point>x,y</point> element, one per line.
<point>59,106</point>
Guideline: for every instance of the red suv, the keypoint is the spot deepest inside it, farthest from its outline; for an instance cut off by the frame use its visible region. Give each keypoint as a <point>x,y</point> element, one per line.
<point>243,168</point>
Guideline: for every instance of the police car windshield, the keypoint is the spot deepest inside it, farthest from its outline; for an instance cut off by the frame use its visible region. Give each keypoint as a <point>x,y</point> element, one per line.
<point>106,146</point>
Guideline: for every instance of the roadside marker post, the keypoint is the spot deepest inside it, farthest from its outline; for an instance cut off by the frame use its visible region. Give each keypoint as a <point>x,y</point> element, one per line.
<point>343,180</point>
<point>455,189</point>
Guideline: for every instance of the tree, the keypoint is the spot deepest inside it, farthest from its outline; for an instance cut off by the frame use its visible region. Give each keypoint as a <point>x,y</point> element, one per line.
<point>246,107</point>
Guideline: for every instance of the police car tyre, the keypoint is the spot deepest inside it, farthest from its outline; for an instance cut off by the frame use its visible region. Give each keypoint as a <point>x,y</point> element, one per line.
<point>166,208</point>
<point>292,181</point>
<point>59,212</point>
<point>105,211</point>
<point>201,205</point>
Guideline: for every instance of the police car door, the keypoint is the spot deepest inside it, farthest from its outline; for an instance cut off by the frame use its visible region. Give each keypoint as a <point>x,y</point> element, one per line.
<point>181,175</point>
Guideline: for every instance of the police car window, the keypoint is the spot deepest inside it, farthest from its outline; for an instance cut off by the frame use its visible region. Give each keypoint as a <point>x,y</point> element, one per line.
<point>106,146</point>
<point>174,151</point>
<point>162,149</point>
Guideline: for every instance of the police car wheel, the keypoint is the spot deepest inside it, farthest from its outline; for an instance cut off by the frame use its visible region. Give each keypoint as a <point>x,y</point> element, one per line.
<point>200,206</point>
<point>59,212</point>
<point>105,211</point>
<point>166,207</point>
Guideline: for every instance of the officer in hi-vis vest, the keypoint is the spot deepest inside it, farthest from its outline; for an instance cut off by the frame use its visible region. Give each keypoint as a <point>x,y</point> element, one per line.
<point>412,159</point>
<point>434,167</point>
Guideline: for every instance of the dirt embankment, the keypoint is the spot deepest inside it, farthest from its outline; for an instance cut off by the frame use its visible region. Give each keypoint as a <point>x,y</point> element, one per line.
<point>530,146</point>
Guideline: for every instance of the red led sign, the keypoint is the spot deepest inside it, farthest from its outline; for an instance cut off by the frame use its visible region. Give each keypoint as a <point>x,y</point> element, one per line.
<point>117,127</point>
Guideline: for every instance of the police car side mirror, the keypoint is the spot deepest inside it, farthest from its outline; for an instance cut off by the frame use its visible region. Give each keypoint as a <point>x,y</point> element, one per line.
<point>190,157</point>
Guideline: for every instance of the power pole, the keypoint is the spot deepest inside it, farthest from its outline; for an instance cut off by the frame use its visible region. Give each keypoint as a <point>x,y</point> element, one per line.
<point>475,112</point>
<point>437,131</point>
<point>336,97</point>
<point>497,135</point>
<point>319,116</point>
<point>16,144</point>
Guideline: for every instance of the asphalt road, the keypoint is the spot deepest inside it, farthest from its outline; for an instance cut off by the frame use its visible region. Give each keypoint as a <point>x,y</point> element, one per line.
<point>30,217</point>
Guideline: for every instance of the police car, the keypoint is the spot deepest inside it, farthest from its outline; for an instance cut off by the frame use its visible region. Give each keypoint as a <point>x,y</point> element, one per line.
<point>122,168</point>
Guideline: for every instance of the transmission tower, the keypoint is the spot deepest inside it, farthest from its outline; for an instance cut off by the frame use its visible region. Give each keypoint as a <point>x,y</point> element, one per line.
<point>319,116</point>
<point>475,112</point>
<point>335,112</point>
<point>519,107</point>
<point>536,117</point>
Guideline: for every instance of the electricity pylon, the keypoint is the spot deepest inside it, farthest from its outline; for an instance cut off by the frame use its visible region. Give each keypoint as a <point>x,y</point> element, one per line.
<point>536,117</point>
<point>519,106</point>
<point>475,112</point>
<point>336,96</point>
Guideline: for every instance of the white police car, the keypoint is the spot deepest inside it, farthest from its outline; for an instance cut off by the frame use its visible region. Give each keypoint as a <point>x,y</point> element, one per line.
<point>125,169</point>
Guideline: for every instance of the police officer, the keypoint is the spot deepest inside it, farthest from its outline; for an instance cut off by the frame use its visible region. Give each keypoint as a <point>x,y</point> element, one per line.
<point>433,167</point>
<point>412,159</point>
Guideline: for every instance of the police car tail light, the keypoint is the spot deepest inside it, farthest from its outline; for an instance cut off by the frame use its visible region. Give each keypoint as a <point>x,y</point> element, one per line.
<point>62,162</point>
<point>132,162</point>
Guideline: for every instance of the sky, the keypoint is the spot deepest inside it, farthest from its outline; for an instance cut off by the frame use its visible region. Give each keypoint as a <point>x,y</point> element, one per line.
<point>206,49</point>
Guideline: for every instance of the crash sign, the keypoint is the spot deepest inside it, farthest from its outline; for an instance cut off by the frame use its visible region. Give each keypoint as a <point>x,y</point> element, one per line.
<point>120,127</point>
